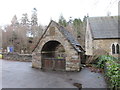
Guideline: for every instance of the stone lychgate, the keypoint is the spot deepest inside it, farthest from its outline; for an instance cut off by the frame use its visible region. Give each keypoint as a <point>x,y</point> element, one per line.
<point>57,49</point>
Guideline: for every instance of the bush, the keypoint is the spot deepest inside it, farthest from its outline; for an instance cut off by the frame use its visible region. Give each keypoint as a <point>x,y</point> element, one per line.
<point>112,69</point>
<point>113,72</point>
<point>104,58</point>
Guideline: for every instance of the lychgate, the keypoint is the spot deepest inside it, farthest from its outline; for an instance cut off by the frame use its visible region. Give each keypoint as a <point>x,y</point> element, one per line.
<point>57,49</point>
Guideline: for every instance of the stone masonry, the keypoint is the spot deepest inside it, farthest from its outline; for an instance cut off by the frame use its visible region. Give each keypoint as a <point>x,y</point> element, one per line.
<point>72,57</point>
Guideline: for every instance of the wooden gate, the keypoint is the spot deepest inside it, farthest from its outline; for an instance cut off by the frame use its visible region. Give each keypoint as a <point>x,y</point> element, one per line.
<point>54,64</point>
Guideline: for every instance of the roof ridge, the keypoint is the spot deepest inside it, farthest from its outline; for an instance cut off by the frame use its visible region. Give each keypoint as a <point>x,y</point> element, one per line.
<point>102,16</point>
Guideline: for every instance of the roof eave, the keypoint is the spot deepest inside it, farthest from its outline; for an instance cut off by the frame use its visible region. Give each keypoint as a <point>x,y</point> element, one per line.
<point>104,38</point>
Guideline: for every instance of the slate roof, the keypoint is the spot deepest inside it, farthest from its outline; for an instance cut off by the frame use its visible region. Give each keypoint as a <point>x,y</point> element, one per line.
<point>73,41</point>
<point>104,27</point>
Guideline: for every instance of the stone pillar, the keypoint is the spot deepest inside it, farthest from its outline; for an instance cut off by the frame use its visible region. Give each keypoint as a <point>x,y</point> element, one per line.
<point>73,63</point>
<point>36,60</point>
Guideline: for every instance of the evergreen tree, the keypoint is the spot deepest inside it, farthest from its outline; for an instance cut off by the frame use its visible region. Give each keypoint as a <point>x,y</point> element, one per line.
<point>79,28</point>
<point>14,21</point>
<point>77,25</point>
<point>34,19</point>
<point>24,19</point>
<point>62,21</point>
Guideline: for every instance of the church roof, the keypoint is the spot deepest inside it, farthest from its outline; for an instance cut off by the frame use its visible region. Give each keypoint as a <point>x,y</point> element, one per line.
<point>104,27</point>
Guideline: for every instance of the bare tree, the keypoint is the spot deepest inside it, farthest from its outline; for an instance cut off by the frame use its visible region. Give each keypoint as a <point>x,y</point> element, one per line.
<point>22,35</point>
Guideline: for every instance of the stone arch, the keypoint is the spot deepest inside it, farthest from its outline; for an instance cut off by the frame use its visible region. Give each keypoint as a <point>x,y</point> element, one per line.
<point>52,47</point>
<point>64,43</point>
<point>53,55</point>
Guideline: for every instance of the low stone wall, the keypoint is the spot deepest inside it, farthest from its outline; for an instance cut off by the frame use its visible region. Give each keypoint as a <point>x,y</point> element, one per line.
<point>18,57</point>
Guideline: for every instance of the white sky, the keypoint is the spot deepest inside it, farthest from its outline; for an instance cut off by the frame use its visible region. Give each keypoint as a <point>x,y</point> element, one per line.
<point>48,9</point>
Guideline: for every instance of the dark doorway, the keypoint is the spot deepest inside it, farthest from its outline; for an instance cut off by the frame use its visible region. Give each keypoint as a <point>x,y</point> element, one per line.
<point>53,56</point>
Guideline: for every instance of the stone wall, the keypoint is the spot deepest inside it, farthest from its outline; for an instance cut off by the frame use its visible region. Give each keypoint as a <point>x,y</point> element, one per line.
<point>88,41</point>
<point>106,45</point>
<point>17,57</point>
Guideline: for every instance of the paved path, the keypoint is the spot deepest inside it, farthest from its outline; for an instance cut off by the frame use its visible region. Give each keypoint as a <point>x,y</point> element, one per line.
<point>20,75</point>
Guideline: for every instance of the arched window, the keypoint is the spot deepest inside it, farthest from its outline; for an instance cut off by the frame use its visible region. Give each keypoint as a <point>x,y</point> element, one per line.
<point>117,49</point>
<point>113,49</point>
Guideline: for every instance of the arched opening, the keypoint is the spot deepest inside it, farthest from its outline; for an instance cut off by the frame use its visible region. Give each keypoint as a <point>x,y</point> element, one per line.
<point>53,56</point>
<point>117,49</point>
<point>113,49</point>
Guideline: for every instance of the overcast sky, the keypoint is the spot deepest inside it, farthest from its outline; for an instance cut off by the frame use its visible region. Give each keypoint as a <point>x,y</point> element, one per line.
<point>51,9</point>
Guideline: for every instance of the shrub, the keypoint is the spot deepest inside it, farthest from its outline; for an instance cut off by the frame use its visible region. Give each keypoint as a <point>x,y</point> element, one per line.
<point>112,69</point>
<point>113,72</point>
<point>104,58</point>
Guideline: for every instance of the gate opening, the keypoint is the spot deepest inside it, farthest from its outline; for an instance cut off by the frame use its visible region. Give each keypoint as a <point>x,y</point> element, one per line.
<point>53,56</point>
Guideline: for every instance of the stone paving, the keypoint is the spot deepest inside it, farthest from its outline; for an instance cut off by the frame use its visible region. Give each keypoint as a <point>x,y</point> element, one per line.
<point>17,74</point>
